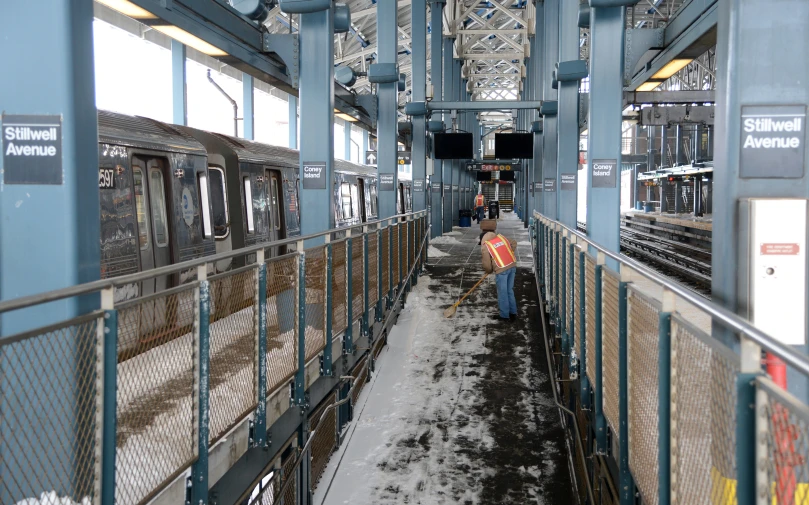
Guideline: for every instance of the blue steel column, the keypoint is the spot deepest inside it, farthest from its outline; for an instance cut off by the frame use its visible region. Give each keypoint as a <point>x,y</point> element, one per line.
<point>746,27</point>
<point>293,122</point>
<point>48,65</point>
<point>418,24</point>
<point>387,124</point>
<point>607,25</point>
<point>537,49</point>
<point>436,77</point>
<point>529,94</point>
<point>568,116</point>
<point>447,165</point>
<point>550,55</point>
<point>248,110</point>
<point>317,116</point>
<point>458,94</point>
<point>179,97</point>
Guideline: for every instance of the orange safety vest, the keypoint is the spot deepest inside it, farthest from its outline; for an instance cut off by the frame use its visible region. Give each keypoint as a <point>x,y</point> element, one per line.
<point>479,201</point>
<point>501,251</point>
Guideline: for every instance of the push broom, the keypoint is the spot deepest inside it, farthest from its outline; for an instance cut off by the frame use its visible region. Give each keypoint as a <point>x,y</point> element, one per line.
<point>451,310</point>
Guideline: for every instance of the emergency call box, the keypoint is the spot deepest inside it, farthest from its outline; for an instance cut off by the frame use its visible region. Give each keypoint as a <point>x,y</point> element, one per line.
<point>774,292</point>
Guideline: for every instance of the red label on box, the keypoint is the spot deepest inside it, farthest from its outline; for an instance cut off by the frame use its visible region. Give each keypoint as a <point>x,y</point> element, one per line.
<point>780,249</point>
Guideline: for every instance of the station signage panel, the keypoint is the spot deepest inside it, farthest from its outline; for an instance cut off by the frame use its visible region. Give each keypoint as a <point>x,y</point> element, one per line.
<point>567,182</point>
<point>495,167</point>
<point>386,182</point>
<point>773,141</point>
<point>32,149</point>
<point>418,185</point>
<point>403,158</point>
<point>370,157</point>
<point>604,173</point>
<point>436,187</point>
<point>537,187</point>
<point>314,175</point>
<point>550,185</point>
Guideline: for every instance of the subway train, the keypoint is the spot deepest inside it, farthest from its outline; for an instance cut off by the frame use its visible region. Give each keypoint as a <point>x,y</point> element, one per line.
<point>171,193</point>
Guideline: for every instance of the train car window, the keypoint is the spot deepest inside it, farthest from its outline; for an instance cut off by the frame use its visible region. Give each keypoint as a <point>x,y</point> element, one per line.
<point>276,213</point>
<point>345,198</point>
<point>158,207</point>
<point>140,207</point>
<point>355,199</point>
<point>219,202</point>
<point>248,205</point>
<point>204,208</point>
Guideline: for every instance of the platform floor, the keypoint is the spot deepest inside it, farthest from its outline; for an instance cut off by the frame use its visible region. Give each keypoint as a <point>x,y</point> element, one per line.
<point>459,410</point>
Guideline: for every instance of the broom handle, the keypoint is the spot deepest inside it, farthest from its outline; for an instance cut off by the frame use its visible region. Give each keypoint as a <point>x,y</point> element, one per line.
<point>470,291</point>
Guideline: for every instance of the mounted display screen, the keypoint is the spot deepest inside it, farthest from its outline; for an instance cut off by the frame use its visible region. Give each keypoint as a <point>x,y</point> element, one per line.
<point>484,176</point>
<point>513,146</point>
<point>452,146</point>
<point>506,176</point>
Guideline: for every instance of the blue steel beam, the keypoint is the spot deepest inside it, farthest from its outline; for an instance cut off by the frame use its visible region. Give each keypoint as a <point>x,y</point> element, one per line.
<point>550,56</point>
<point>418,27</point>
<point>179,98</point>
<point>693,34</point>
<point>317,120</point>
<point>537,49</point>
<point>568,117</point>
<point>607,26</point>
<point>387,124</point>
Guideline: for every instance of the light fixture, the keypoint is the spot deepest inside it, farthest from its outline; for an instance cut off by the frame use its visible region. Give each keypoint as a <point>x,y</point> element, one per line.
<point>648,86</point>
<point>186,38</point>
<point>672,68</point>
<point>127,8</point>
<point>346,117</point>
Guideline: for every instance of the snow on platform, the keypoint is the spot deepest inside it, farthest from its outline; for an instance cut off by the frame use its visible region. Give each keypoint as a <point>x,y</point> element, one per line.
<point>459,410</point>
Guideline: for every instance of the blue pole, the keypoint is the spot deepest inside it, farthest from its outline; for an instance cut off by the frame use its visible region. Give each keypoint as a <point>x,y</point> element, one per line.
<point>567,120</point>
<point>418,27</point>
<point>664,408</point>
<point>607,27</point>
<point>347,141</point>
<point>598,388</point>
<point>260,429</point>
<point>110,406</point>
<point>387,122</point>
<point>300,374</point>
<point>348,336</point>
<point>551,53</point>
<point>179,97</point>
<point>198,485</point>
<point>447,165</point>
<point>248,110</point>
<point>327,330</point>
<point>437,79</point>
<point>293,121</point>
<point>534,176</point>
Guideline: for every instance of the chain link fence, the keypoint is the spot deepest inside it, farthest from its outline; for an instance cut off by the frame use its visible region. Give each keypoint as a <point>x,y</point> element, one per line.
<point>156,414</point>
<point>703,416</point>
<point>49,427</point>
<point>373,268</point>
<point>233,339</point>
<point>315,274</point>
<point>386,267</point>
<point>282,320</point>
<point>609,346</point>
<point>324,439</point>
<point>357,277</point>
<point>642,390</point>
<point>590,317</point>
<point>339,287</point>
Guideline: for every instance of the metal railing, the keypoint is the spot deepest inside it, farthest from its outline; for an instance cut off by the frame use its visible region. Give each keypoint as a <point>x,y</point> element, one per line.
<point>113,406</point>
<point>673,385</point>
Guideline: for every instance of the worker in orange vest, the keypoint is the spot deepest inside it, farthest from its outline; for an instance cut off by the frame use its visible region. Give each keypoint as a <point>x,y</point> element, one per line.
<point>480,202</point>
<point>497,253</point>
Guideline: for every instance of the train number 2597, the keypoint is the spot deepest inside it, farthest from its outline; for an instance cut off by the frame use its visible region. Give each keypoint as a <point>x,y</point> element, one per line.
<point>106,178</point>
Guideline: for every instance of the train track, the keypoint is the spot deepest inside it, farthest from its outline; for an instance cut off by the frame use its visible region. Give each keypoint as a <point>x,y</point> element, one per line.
<point>687,264</point>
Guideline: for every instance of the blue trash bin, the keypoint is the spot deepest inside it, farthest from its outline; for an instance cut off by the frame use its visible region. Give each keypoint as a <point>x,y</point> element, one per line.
<point>648,207</point>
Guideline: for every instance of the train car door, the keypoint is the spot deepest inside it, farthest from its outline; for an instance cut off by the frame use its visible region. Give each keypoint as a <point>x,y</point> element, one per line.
<point>151,202</point>
<point>400,199</point>
<point>275,210</point>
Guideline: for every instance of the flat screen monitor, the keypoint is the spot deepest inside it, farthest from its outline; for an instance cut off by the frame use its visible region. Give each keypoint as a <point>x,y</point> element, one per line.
<point>509,146</point>
<point>452,146</point>
<point>506,176</point>
<point>484,176</point>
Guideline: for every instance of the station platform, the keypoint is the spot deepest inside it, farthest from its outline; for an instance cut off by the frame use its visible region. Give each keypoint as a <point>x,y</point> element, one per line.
<point>459,410</point>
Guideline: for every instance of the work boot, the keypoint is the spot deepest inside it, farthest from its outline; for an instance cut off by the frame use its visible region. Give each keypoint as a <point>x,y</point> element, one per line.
<point>496,317</point>
<point>512,317</point>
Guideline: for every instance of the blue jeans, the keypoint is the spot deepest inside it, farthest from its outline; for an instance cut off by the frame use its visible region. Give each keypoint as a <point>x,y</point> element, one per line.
<point>505,293</point>
<point>479,211</point>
